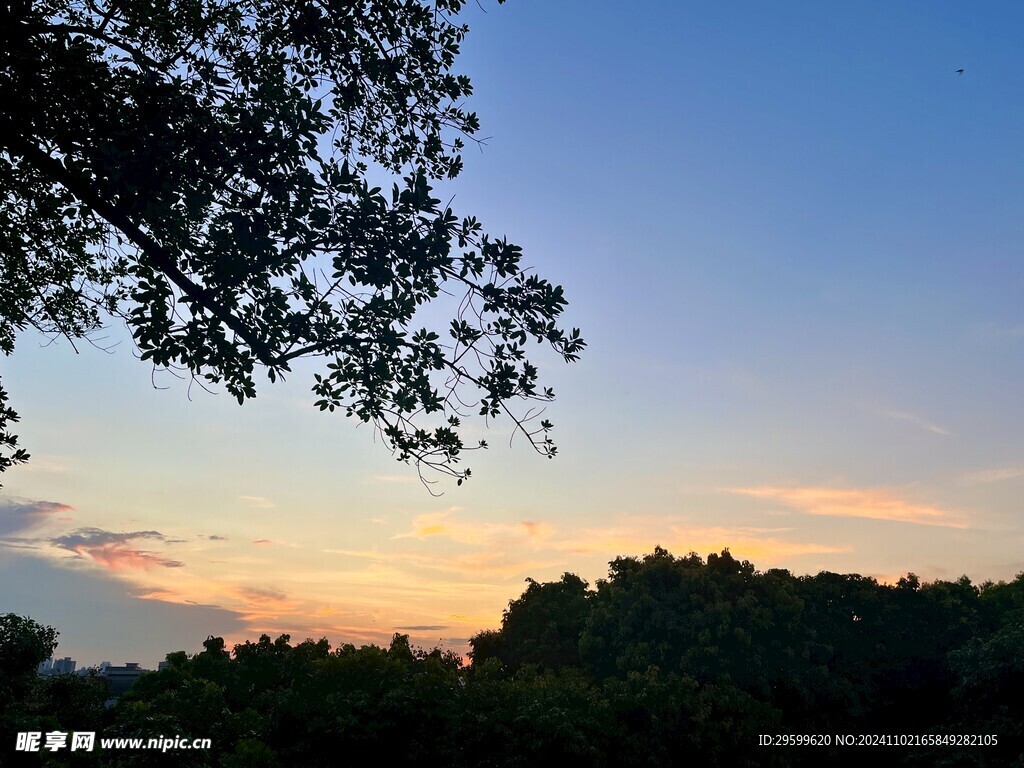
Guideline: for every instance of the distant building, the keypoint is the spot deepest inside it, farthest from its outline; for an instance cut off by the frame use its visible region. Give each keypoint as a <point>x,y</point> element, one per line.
<point>121,679</point>
<point>65,666</point>
<point>162,665</point>
<point>95,669</point>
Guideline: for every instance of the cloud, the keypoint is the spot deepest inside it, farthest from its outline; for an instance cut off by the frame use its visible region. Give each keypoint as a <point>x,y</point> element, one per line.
<point>764,545</point>
<point>48,464</point>
<point>873,503</point>
<point>114,551</point>
<point>18,514</point>
<point>214,537</point>
<point>262,542</point>
<point>444,524</point>
<point>262,594</point>
<point>495,544</point>
<point>470,564</point>
<point>259,502</point>
<point>993,475</point>
<point>164,595</point>
<point>618,539</point>
<point>475,565</point>
<point>751,543</point>
<point>916,420</point>
<point>424,628</point>
<point>99,614</point>
<point>372,554</point>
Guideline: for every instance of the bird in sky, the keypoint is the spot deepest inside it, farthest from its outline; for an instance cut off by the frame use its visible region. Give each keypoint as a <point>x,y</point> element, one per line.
<point>959,71</point>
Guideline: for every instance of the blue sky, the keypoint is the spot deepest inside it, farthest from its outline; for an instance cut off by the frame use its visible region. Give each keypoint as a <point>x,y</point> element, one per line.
<point>792,237</point>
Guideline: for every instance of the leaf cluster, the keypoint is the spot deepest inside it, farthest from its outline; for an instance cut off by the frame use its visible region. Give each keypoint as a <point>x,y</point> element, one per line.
<point>202,169</point>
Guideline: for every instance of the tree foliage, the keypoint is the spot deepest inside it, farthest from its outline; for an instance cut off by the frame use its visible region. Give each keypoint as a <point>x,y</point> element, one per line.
<point>24,645</point>
<point>204,170</point>
<point>670,661</point>
<point>542,627</point>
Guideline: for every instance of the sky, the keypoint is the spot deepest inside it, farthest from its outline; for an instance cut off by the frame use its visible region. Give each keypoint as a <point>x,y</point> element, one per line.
<point>791,235</point>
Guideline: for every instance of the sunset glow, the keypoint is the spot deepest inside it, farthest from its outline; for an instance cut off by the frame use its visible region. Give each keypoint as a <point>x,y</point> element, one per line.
<point>795,251</point>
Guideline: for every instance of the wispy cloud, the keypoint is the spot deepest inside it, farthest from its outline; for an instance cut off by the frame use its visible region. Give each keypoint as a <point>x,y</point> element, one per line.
<point>263,542</point>
<point>48,464</point>
<point>873,503</point>
<point>115,551</point>
<point>489,564</point>
<point>447,525</point>
<point>758,544</point>
<point>259,502</point>
<point>18,515</point>
<point>993,475</point>
<point>764,545</point>
<point>372,554</point>
<point>918,421</point>
<point>424,628</point>
<point>470,564</point>
<point>262,594</point>
<point>543,548</point>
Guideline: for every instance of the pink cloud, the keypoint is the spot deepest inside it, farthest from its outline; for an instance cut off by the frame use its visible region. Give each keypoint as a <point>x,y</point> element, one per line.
<point>115,551</point>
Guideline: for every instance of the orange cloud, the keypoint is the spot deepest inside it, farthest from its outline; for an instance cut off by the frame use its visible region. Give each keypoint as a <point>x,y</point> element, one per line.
<point>763,545</point>
<point>476,533</point>
<point>619,540</point>
<point>495,564</point>
<point>757,544</point>
<point>469,565</point>
<point>873,503</point>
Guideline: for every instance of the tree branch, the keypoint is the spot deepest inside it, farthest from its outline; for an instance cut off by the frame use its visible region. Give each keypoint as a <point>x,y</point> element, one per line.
<point>159,256</point>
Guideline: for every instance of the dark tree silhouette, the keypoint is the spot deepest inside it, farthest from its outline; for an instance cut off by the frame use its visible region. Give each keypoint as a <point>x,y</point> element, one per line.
<point>203,170</point>
<point>31,703</point>
<point>24,645</point>
<point>543,626</point>
<point>671,661</point>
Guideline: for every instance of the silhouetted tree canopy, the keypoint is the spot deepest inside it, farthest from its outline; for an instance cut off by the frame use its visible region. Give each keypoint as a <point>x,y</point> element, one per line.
<point>670,661</point>
<point>207,171</point>
<point>543,626</point>
<point>24,645</point>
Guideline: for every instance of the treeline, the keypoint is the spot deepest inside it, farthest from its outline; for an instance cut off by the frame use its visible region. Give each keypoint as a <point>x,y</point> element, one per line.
<point>668,662</point>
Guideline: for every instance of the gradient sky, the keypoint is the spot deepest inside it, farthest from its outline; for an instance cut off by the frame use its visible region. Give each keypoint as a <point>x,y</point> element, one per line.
<point>792,236</point>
